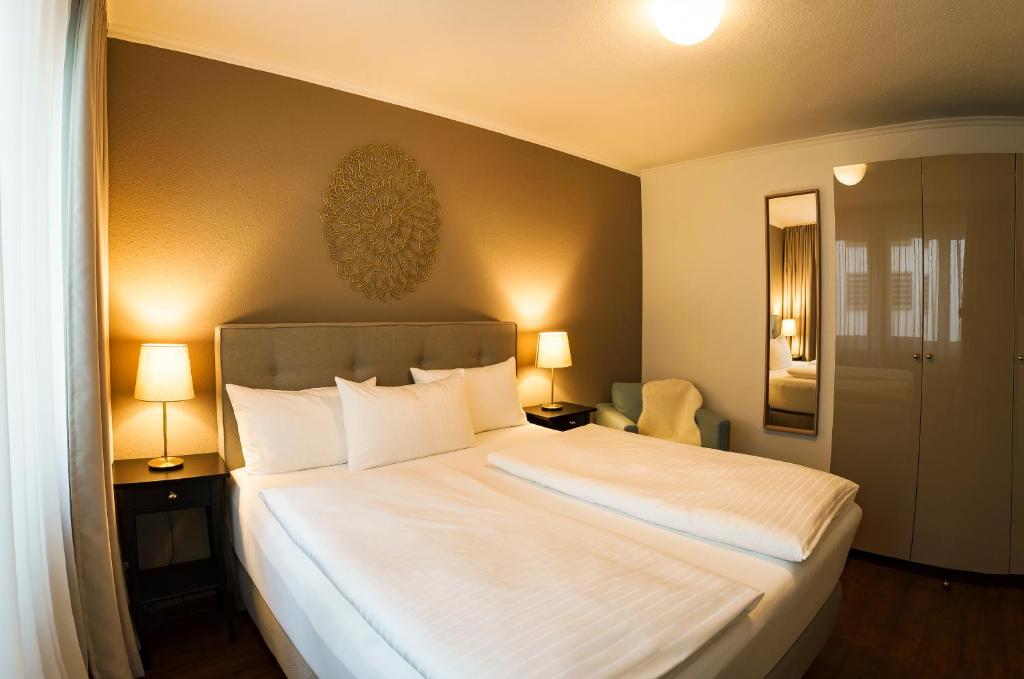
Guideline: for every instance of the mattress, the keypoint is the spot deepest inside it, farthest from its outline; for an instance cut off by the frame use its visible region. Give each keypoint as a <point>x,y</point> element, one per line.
<point>793,394</point>
<point>336,642</point>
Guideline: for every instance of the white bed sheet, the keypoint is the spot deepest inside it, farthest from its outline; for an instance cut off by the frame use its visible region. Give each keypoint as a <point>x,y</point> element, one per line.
<point>336,641</point>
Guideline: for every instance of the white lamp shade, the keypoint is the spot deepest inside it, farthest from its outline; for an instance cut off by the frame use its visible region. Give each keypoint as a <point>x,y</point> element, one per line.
<point>788,327</point>
<point>164,373</point>
<point>553,350</point>
<point>850,174</point>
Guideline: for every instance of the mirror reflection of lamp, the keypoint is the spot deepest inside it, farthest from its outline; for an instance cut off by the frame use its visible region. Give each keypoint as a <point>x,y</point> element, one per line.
<point>789,331</point>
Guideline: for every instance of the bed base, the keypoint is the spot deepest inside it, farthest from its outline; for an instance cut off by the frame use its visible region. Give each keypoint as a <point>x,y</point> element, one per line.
<point>288,657</point>
<point>793,665</point>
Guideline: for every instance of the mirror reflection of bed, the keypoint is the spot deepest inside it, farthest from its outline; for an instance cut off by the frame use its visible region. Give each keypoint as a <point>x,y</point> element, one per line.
<point>793,276</point>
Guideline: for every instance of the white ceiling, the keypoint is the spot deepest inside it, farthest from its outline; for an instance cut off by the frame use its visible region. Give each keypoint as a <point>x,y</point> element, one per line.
<point>595,78</point>
<point>796,210</point>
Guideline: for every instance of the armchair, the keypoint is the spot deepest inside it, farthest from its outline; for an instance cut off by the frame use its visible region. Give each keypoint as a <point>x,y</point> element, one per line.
<point>627,403</point>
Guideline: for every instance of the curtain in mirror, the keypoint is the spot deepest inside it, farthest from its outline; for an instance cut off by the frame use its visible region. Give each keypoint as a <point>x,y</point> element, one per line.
<point>800,288</point>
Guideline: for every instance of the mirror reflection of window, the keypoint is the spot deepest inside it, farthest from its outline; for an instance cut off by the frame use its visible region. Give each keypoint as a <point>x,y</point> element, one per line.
<point>914,278</point>
<point>905,287</point>
<point>793,318</point>
<point>852,289</point>
<point>930,283</point>
<point>956,286</point>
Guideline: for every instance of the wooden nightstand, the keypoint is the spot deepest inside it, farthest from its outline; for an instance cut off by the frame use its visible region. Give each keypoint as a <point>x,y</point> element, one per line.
<point>139,490</point>
<point>571,415</point>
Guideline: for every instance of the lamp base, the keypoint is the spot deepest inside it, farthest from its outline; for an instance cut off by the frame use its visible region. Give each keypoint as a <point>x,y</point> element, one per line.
<point>166,463</point>
<point>551,406</point>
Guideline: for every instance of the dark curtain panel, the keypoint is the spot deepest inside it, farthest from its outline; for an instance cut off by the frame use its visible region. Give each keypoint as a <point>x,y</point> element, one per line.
<point>104,625</point>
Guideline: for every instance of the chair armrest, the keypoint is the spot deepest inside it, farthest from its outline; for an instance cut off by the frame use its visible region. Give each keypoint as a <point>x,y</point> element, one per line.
<point>608,416</point>
<point>714,429</point>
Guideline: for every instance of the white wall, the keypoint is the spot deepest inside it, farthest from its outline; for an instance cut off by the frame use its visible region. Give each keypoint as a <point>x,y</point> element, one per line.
<point>704,263</point>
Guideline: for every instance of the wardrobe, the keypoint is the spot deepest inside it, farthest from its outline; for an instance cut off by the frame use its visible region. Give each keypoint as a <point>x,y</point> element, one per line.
<point>929,381</point>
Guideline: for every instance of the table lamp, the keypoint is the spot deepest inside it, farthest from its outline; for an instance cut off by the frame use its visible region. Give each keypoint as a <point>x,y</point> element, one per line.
<point>164,375</point>
<point>553,352</point>
<point>789,331</point>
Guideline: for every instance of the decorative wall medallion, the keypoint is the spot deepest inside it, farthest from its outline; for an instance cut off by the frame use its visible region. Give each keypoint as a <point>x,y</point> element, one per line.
<point>382,221</point>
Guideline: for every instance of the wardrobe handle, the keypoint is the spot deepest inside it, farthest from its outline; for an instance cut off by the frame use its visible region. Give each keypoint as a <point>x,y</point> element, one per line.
<point>917,357</point>
<point>929,356</point>
<point>1020,358</point>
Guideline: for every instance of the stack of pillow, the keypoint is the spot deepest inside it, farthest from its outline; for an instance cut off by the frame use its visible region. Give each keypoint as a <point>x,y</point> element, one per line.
<point>365,425</point>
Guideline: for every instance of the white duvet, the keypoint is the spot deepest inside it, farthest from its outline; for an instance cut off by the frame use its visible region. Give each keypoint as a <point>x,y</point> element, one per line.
<point>771,507</point>
<point>464,580</point>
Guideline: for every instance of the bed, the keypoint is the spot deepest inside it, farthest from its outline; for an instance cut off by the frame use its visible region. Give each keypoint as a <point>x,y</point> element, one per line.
<point>313,630</point>
<point>792,394</point>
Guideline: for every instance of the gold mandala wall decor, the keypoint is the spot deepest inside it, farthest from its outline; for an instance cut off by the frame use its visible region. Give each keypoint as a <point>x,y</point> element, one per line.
<point>382,221</point>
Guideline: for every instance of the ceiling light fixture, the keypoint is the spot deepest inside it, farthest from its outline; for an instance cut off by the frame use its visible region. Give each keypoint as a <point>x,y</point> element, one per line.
<point>850,174</point>
<point>687,22</point>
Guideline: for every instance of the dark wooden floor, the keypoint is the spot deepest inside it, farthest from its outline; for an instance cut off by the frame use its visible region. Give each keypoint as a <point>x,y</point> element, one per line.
<point>892,624</point>
<point>895,623</point>
<point>197,647</point>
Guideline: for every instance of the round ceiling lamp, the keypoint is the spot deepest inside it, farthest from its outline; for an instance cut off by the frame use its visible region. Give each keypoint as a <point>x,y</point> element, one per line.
<point>687,22</point>
<point>850,174</point>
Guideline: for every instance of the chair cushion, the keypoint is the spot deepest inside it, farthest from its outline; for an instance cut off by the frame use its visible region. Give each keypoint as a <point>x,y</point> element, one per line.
<point>628,399</point>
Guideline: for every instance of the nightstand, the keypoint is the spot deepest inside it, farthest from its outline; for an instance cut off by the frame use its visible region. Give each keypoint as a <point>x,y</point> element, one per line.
<point>139,491</point>
<point>571,415</point>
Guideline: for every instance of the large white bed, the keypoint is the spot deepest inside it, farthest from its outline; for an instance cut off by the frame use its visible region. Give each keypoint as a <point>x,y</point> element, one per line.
<point>315,627</point>
<point>336,641</point>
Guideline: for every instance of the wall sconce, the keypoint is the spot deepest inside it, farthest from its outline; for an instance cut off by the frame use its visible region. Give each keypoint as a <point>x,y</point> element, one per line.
<point>850,174</point>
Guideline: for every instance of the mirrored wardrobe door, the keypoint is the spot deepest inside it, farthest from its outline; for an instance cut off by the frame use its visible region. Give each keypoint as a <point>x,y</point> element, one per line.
<point>876,425</point>
<point>793,323</point>
<point>963,492</point>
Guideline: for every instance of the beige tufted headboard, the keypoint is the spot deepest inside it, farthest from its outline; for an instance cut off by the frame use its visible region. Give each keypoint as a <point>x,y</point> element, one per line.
<point>304,355</point>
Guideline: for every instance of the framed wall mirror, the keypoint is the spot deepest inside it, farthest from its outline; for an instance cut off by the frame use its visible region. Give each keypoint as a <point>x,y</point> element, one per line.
<point>793,323</point>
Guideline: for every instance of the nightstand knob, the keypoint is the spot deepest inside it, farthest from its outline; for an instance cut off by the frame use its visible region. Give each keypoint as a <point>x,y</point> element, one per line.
<point>172,495</point>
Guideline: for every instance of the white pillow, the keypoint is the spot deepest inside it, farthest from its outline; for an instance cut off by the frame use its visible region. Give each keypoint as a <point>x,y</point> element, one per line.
<point>284,431</point>
<point>385,425</point>
<point>779,356</point>
<point>491,391</point>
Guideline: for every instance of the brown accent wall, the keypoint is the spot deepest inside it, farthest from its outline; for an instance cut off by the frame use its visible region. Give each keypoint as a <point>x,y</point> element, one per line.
<point>216,174</point>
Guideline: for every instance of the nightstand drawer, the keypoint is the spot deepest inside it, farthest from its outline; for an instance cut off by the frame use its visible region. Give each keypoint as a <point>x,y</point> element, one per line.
<point>171,495</point>
<point>569,416</point>
<point>570,421</point>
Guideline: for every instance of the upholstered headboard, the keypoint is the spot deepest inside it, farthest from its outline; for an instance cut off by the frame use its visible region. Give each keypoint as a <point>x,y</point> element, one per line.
<point>304,355</point>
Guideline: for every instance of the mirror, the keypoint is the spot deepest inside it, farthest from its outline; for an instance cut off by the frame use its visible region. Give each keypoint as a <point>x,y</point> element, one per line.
<point>794,312</point>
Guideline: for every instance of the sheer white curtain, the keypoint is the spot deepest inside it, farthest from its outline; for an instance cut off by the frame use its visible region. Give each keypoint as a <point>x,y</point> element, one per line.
<point>38,637</point>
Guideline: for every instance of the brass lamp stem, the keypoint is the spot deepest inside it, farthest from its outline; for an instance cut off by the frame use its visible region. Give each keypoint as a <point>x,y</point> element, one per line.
<point>164,404</point>
<point>551,405</point>
<point>165,463</point>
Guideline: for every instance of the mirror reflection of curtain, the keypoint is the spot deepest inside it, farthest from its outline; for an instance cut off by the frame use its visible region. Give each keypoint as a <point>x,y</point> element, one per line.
<point>799,287</point>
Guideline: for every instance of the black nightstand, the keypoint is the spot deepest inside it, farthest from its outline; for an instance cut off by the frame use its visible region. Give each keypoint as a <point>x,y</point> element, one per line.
<point>139,490</point>
<point>571,415</point>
